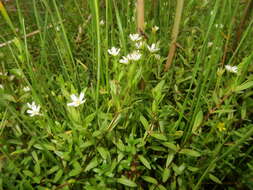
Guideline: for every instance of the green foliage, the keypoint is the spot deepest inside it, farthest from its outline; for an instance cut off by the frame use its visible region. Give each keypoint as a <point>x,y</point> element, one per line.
<point>136,127</point>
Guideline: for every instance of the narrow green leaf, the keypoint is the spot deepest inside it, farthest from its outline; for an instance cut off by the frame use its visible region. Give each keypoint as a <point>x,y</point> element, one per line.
<point>37,168</point>
<point>169,159</point>
<point>75,172</point>
<point>244,86</point>
<point>159,136</point>
<point>166,174</point>
<point>214,179</point>
<point>58,175</point>
<point>93,163</point>
<point>190,152</point>
<point>161,187</point>
<point>198,121</point>
<point>144,161</point>
<point>150,179</point>
<point>103,152</point>
<point>126,182</point>
<point>144,122</point>
<point>170,145</point>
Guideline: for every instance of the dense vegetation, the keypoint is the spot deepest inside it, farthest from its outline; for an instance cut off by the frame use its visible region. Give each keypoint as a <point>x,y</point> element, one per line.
<point>85,102</point>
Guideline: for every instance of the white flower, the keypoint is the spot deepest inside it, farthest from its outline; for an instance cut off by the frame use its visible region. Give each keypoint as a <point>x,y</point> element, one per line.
<point>155,29</point>
<point>3,74</point>
<point>153,48</point>
<point>232,69</point>
<point>124,60</point>
<point>76,101</point>
<point>114,51</point>
<point>34,110</point>
<point>209,44</point>
<point>102,22</point>
<point>1,86</point>
<point>26,89</point>
<point>139,45</point>
<point>135,37</point>
<point>219,26</point>
<point>134,56</point>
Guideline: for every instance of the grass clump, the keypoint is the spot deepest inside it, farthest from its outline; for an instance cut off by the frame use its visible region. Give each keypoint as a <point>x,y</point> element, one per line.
<point>85,102</point>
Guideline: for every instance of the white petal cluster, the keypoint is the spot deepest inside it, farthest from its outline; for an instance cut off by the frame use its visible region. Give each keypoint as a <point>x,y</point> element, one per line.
<point>1,86</point>
<point>33,109</point>
<point>124,60</point>
<point>153,48</point>
<point>114,51</point>
<point>155,29</point>
<point>26,89</point>
<point>135,37</point>
<point>134,56</point>
<point>232,69</point>
<point>76,101</point>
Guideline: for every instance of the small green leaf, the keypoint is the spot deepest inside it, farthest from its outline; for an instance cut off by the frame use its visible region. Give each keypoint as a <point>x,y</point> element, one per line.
<point>215,179</point>
<point>198,121</point>
<point>126,182</point>
<point>52,170</point>
<point>190,152</point>
<point>170,145</point>
<point>244,86</point>
<point>74,172</point>
<point>93,163</point>
<point>144,122</point>
<point>169,159</point>
<point>28,173</point>
<point>150,179</point>
<point>37,169</point>
<point>166,174</point>
<point>144,161</point>
<point>159,136</point>
<point>58,175</point>
<point>161,187</point>
<point>103,152</point>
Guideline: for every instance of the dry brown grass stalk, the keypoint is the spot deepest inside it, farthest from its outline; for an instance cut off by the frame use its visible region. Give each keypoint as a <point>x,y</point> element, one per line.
<point>175,31</point>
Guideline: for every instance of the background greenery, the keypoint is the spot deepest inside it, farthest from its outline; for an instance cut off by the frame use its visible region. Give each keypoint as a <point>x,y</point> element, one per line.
<point>140,128</point>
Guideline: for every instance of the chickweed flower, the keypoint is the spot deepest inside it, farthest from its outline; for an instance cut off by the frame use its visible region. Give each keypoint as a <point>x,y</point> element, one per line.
<point>114,51</point>
<point>102,22</point>
<point>33,109</point>
<point>76,101</point>
<point>134,56</point>
<point>124,60</point>
<point>26,89</point>
<point>231,69</point>
<point>135,37</point>
<point>155,29</point>
<point>153,48</point>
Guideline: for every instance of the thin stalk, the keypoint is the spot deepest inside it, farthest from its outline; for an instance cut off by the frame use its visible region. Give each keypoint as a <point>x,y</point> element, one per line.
<point>98,51</point>
<point>140,16</point>
<point>175,31</point>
